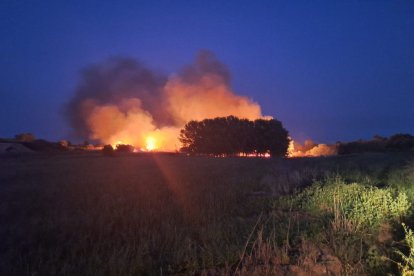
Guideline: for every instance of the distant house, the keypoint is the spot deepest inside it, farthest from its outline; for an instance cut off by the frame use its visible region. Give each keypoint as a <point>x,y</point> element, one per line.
<point>13,148</point>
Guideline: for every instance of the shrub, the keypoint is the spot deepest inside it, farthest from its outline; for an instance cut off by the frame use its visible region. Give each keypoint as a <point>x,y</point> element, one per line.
<point>124,148</point>
<point>108,150</point>
<point>407,267</point>
<point>403,179</point>
<point>358,205</point>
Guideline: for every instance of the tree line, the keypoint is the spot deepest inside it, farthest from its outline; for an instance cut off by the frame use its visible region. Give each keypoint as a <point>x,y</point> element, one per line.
<point>232,136</point>
<point>397,142</point>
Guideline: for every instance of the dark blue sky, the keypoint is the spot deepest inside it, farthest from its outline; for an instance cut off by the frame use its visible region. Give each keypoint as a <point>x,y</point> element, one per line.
<point>329,70</point>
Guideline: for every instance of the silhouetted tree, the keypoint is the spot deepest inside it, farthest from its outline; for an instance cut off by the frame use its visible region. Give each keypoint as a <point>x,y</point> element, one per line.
<point>401,142</point>
<point>231,135</point>
<point>397,142</point>
<point>272,137</point>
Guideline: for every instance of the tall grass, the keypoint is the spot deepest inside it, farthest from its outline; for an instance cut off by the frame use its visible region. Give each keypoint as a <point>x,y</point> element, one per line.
<point>133,214</point>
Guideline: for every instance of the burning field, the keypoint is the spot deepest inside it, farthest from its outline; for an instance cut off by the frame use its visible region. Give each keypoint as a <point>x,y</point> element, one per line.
<point>83,213</point>
<point>121,101</point>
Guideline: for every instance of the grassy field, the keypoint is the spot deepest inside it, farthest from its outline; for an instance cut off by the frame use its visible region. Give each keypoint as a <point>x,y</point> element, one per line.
<point>87,214</point>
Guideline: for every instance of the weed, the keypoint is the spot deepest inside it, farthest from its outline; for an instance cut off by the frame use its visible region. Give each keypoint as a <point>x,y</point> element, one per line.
<point>353,206</point>
<point>407,264</point>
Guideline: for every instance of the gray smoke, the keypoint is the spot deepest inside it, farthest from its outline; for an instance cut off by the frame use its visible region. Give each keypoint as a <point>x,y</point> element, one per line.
<point>111,81</point>
<point>200,90</point>
<point>206,63</point>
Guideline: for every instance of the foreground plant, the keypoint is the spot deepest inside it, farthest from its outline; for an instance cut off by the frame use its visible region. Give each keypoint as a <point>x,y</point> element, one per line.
<point>352,218</point>
<point>353,206</point>
<point>407,265</point>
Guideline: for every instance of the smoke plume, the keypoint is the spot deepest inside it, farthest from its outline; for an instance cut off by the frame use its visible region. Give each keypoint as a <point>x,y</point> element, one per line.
<point>122,101</point>
<point>310,148</point>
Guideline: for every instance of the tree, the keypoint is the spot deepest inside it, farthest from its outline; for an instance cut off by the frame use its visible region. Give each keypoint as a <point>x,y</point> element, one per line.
<point>397,142</point>
<point>401,142</point>
<point>272,137</point>
<point>231,135</point>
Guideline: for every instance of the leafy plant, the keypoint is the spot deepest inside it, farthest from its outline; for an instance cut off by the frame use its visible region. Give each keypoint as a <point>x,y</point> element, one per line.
<point>353,205</point>
<point>407,265</point>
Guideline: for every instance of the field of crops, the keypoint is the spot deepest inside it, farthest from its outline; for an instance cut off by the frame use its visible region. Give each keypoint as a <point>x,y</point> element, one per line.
<point>132,214</point>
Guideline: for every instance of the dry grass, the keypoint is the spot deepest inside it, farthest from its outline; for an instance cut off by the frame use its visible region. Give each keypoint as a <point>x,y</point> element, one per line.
<point>129,214</point>
<point>79,214</point>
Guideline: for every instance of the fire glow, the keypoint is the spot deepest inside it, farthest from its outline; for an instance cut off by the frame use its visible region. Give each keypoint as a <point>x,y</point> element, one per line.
<point>150,143</point>
<point>123,102</point>
<point>310,149</point>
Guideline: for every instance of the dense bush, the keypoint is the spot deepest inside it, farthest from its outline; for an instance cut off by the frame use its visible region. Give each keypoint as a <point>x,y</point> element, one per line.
<point>362,206</point>
<point>108,150</point>
<point>124,148</point>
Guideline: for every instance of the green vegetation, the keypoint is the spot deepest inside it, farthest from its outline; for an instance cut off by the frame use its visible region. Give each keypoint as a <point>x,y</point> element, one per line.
<point>407,264</point>
<point>133,214</point>
<point>353,221</point>
<point>362,206</point>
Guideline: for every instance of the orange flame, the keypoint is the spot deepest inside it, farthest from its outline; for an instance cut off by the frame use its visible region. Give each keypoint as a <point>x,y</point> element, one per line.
<point>150,143</point>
